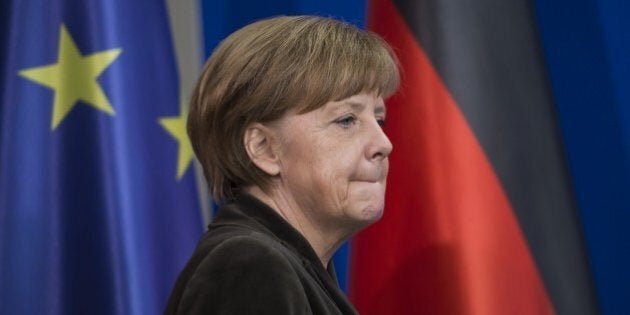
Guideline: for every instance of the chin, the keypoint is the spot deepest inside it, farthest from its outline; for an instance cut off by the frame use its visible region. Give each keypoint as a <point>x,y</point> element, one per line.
<point>366,214</point>
<point>372,214</point>
<point>368,203</point>
<point>360,217</point>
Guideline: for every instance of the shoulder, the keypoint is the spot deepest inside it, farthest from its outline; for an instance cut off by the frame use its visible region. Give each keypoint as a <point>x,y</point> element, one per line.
<point>245,273</point>
<point>254,251</point>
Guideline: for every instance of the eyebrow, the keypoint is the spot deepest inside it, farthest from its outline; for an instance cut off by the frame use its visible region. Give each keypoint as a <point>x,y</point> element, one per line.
<point>380,109</point>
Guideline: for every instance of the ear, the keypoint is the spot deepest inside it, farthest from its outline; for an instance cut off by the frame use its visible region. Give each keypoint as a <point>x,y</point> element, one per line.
<point>259,143</point>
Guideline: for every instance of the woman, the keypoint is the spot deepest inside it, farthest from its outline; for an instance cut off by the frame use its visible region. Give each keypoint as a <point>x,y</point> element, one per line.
<point>286,121</point>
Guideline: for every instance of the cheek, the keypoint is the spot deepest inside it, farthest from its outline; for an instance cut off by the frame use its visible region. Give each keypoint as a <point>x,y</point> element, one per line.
<point>333,173</point>
<point>341,178</point>
<point>320,166</point>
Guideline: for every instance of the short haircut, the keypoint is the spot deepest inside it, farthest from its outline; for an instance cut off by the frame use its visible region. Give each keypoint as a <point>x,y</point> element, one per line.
<point>267,68</point>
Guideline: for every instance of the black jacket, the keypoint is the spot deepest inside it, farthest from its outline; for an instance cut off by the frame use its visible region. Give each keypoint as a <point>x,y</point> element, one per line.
<point>251,261</point>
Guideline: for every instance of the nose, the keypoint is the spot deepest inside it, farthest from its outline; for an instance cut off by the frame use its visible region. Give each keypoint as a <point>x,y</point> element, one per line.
<point>380,146</point>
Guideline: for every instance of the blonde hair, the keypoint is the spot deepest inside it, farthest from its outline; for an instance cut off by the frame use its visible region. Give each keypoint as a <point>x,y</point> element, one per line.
<point>265,69</point>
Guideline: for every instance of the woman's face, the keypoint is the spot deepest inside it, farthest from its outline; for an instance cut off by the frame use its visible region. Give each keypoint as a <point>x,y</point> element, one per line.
<point>334,161</point>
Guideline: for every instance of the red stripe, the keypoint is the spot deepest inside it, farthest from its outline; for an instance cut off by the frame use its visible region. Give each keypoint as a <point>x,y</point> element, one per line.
<point>448,242</point>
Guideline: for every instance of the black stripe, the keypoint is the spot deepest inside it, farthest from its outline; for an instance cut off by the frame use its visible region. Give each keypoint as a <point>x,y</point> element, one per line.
<point>488,54</point>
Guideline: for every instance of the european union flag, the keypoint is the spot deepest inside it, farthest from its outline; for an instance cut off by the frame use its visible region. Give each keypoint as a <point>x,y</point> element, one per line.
<point>98,205</point>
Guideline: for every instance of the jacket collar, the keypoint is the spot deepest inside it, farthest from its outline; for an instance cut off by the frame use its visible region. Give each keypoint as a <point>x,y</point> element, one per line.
<point>247,210</point>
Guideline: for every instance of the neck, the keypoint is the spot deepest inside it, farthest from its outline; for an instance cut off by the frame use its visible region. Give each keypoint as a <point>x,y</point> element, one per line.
<point>324,240</point>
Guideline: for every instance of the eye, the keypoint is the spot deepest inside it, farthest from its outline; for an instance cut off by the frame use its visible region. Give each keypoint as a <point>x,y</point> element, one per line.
<point>381,122</point>
<point>346,121</point>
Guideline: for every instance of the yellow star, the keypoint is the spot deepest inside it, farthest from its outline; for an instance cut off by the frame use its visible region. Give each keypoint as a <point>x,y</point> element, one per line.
<point>176,126</point>
<point>73,78</point>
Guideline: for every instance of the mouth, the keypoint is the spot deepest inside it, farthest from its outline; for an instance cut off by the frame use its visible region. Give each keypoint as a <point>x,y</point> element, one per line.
<point>375,178</point>
<point>369,181</point>
<point>376,174</point>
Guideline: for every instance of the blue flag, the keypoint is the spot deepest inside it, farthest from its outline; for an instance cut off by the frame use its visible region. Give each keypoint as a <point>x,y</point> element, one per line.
<point>98,205</point>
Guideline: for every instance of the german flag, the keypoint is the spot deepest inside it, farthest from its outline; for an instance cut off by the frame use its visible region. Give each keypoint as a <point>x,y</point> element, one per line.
<point>480,217</point>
